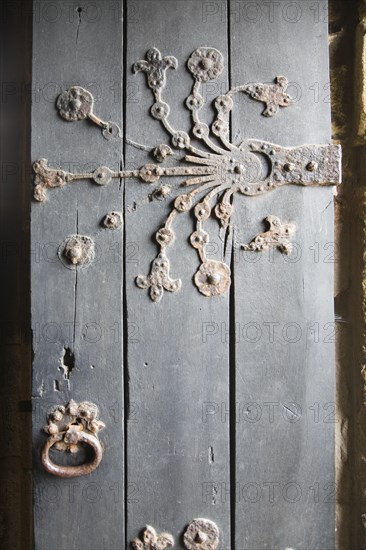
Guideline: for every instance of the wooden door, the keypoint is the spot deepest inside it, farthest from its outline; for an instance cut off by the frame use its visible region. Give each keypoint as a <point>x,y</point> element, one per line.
<point>186,287</point>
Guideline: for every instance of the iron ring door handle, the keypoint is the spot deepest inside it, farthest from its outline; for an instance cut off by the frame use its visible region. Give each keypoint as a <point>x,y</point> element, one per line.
<point>72,437</point>
<point>68,427</point>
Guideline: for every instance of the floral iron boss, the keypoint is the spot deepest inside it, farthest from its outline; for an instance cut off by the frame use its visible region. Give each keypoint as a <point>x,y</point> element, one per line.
<point>218,171</point>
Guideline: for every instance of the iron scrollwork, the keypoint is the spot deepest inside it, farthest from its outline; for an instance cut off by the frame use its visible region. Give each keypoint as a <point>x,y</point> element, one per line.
<point>76,103</point>
<point>219,169</point>
<point>234,169</point>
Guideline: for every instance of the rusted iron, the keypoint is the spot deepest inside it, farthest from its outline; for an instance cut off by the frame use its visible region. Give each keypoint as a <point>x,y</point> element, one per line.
<point>212,278</point>
<point>252,168</point>
<point>76,103</point>
<point>235,169</point>
<point>201,534</point>
<point>76,251</point>
<point>206,64</point>
<point>68,428</point>
<point>155,67</point>
<point>159,279</point>
<point>278,236</point>
<point>273,95</point>
<point>113,220</point>
<point>46,178</point>
<point>161,152</point>
<point>150,540</point>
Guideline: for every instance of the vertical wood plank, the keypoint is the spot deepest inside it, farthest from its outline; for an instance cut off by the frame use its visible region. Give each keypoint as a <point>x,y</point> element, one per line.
<point>176,455</point>
<point>77,311</point>
<point>285,379</point>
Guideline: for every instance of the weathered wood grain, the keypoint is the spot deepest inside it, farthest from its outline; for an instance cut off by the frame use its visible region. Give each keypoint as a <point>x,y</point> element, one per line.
<point>174,453</point>
<point>229,401</point>
<point>77,44</point>
<point>285,376</point>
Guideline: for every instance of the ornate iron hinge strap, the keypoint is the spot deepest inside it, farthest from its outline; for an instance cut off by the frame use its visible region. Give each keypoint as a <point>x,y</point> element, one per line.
<point>238,169</point>
<point>220,169</point>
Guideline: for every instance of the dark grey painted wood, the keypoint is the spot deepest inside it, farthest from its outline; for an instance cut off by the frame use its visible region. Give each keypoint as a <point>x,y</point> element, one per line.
<point>186,456</point>
<point>174,456</point>
<point>284,463</point>
<point>80,311</point>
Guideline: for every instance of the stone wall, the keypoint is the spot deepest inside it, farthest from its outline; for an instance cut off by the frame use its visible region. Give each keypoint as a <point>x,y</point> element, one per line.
<point>347,27</point>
